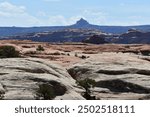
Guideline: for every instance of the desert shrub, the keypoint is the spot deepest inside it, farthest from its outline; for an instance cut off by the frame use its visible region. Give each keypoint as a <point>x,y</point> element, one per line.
<point>25,46</point>
<point>83,57</point>
<point>1,95</point>
<point>145,52</point>
<point>87,84</point>
<point>40,48</point>
<point>76,55</point>
<point>67,51</point>
<point>75,72</point>
<point>8,52</point>
<point>49,90</point>
<point>127,46</point>
<point>45,92</point>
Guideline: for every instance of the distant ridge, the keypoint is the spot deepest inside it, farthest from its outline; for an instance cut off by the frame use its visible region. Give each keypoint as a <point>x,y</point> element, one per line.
<point>82,24</point>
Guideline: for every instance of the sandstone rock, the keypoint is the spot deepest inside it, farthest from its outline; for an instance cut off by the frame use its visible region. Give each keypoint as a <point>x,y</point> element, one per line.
<point>20,79</point>
<point>125,76</point>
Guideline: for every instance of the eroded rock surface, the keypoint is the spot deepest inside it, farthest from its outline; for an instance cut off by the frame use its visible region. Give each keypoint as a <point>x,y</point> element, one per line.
<point>20,78</point>
<point>118,75</point>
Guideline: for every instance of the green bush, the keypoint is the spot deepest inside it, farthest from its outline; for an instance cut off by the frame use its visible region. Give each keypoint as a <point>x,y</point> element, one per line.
<point>87,84</point>
<point>8,52</point>
<point>40,48</point>
<point>145,52</point>
<point>83,57</point>
<point>2,95</point>
<point>45,92</point>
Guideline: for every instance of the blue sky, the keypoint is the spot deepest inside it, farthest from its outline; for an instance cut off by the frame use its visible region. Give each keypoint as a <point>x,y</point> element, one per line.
<point>66,12</point>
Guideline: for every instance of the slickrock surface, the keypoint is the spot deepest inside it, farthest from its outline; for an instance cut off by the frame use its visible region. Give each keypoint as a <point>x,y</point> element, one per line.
<point>118,75</point>
<point>121,71</point>
<point>20,79</point>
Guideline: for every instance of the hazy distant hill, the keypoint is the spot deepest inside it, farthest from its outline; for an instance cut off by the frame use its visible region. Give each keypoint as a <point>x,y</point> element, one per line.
<point>10,31</point>
<point>7,31</point>
<point>134,36</point>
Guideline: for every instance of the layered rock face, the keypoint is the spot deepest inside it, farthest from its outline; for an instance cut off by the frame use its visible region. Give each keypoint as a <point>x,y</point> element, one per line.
<point>118,75</point>
<point>20,78</point>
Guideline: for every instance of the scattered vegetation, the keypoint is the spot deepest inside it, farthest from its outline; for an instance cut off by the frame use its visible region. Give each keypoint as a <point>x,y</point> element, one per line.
<point>8,52</point>
<point>26,46</point>
<point>83,57</point>
<point>67,51</point>
<point>49,90</point>
<point>2,95</point>
<point>40,48</point>
<point>45,92</point>
<point>74,72</point>
<point>87,84</point>
<point>127,46</point>
<point>145,52</point>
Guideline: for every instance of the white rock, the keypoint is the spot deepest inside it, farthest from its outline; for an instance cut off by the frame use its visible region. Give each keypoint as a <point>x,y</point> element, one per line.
<point>20,78</point>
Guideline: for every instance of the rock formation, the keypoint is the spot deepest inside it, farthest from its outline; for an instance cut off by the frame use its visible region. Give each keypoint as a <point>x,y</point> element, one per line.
<point>134,36</point>
<point>96,39</point>
<point>20,78</point>
<point>120,71</point>
<point>118,76</point>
